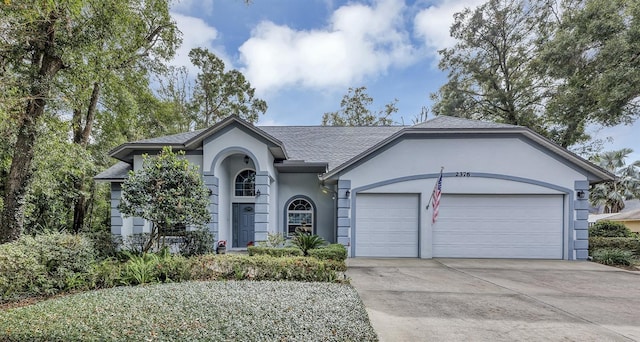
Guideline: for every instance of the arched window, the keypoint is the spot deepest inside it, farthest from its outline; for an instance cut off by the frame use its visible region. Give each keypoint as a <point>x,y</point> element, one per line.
<point>300,216</point>
<point>246,183</point>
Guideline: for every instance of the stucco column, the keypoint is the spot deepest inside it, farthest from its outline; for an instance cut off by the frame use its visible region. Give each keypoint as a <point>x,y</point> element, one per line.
<point>116,216</point>
<point>344,208</point>
<point>580,222</point>
<point>211,183</point>
<point>261,223</point>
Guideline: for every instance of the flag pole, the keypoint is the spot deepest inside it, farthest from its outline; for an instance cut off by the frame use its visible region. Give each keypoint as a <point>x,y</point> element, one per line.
<point>434,188</point>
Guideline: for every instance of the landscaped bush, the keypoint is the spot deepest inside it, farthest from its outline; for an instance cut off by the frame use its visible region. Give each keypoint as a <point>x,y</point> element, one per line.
<point>44,265</point>
<point>264,267</point>
<point>307,242</point>
<point>275,252</point>
<point>629,244</point>
<point>105,244</point>
<point>155,268</point>
<point>334,251</point>
<point>609,229</point>
<point>613,256</point>
<point>196,242</point>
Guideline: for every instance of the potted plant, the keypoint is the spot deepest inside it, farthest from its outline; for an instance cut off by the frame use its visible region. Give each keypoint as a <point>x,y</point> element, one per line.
<point>222,247</point>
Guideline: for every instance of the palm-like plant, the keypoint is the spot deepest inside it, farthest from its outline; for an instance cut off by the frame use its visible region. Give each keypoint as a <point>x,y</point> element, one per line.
<point>611,195</point>
<point>306,241</point>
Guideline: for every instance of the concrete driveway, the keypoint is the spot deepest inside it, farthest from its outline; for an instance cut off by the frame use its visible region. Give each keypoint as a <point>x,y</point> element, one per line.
<point>497,300</point>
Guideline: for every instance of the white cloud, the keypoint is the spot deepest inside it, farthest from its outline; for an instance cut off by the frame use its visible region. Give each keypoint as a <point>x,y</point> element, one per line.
<point>196,33</point>
<point>432,24</point>
<point>192,7</point>
<point>360,41</point>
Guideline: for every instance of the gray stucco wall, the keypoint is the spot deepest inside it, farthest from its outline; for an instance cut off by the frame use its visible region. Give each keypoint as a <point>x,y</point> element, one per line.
<point>307,184</point>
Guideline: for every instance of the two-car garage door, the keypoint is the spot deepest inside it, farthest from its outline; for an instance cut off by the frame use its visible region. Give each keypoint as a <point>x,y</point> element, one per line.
<point>499,226</point>
<point>468,226</point>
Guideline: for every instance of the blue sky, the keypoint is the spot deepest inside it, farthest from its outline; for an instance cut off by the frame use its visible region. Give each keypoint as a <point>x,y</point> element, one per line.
<point>302,56</point>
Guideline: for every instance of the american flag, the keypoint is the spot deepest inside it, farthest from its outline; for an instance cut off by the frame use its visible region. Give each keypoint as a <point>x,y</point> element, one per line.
<point>435,197</point>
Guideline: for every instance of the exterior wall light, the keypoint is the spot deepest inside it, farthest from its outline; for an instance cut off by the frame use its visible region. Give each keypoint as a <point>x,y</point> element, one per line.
<point>348,193</point>
<point>258,193</point>
<point>580,194</point>
<point>246,159</point>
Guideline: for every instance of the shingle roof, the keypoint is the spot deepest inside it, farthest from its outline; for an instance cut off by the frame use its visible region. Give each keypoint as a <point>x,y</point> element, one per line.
<point>117,171</point>
<point>179,138</point>
<point>334,145</point>
<point>625,216</point>
<point>454,122</point>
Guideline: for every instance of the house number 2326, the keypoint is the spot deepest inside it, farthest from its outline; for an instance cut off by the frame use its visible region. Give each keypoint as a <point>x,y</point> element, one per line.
<point>463,174</point>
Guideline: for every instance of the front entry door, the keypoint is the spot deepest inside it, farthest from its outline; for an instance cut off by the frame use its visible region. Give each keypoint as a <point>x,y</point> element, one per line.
<point>243,224</point>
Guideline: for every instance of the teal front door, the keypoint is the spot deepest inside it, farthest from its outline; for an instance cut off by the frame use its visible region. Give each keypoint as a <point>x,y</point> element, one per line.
<point>243,224</point>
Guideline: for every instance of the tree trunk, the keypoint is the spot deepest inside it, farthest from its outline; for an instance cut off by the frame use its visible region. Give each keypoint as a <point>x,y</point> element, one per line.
<point>81,136</point>
<point>47,64</point>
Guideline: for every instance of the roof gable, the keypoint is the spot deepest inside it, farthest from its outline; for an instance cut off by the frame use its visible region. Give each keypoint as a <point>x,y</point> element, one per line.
<point>193,140</point>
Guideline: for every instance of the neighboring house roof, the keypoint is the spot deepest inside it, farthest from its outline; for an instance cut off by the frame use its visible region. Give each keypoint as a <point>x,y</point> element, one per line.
<point>593,218</point>
<point>337,147</point>
<point>118,171</point>
<point>631,215</point>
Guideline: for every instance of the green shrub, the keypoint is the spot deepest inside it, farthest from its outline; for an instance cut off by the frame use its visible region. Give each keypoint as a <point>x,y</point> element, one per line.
<point>275,252</point>
<point>609,229</point>
<point>105,243</point>
<point>306,242</point>
<point>264,267</point>
<point>44,264</point>
<point>276,240</point>
<point>196,242</point>
<point>613,256</point>
<point>334,251</point>
<point>154,268</point>
<point>106,273</point>
<point>628,244</point>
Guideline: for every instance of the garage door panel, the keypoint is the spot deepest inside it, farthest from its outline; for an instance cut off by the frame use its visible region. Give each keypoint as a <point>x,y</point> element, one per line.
<point>499,226</point>
<point>387,225</point>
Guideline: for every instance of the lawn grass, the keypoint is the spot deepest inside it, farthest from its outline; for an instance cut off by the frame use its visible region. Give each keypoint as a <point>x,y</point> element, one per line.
<point>196,311</point>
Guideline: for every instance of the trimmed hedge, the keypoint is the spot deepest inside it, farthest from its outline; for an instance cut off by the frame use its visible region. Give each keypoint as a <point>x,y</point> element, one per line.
<point>44,265</point>
<point>274,252</point>
<point>334,251</point>
<point>264,267</point>
<point>609,229</point>
<point>628,244</point>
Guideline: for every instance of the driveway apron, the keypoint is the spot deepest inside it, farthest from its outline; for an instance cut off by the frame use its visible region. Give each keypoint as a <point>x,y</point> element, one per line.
<point>497,300</point>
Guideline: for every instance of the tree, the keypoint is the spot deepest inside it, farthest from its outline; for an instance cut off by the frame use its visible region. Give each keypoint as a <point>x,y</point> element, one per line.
<point>218,94</point>
<point>167,191</point>
<point>491,73</point>
<point>136,39</point>
<point>611,195</point>
<point>77,52</point>
<point>593,59</point>
<point>31,51</point>
<point>355,111</point>
<point>554,66</point>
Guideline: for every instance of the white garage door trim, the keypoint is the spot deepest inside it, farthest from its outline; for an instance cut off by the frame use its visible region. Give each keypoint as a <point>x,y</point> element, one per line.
<point>500,226</point>
<point>387,225</point>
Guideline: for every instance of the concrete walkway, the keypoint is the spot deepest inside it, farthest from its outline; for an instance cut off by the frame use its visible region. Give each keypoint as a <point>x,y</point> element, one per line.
<point>497,300</point>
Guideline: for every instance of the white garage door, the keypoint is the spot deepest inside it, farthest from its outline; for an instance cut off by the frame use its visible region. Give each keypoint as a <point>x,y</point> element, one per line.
<point>499,226</point>
<point>386,225</point>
